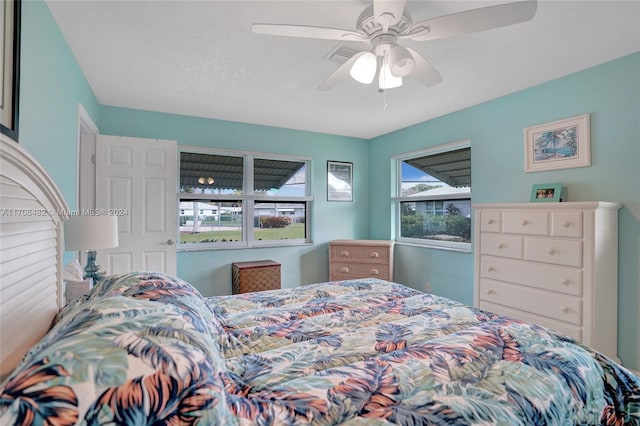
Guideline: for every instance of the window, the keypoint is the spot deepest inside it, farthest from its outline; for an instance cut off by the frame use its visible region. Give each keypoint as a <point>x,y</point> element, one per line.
<point>433,197</point>
<point>231,199</point>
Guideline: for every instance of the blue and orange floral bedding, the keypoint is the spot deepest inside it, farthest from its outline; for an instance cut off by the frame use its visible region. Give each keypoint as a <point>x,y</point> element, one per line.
<point>149,349</point>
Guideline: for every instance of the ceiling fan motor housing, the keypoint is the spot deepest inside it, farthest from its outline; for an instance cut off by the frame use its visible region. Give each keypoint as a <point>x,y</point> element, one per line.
<point>367,24</point>
<point>382,44</point>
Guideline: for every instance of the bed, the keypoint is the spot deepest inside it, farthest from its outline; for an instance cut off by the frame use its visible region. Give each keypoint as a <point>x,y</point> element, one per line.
<point>148,348</point>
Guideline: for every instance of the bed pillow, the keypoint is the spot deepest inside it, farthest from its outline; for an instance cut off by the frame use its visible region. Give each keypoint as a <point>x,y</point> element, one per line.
<point>156,287</point>
<point>147,285</point>
<point>119,360</point>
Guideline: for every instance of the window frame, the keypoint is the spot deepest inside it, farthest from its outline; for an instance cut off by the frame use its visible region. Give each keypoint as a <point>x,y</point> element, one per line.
<point>247,198</point>
<point>397,199</point>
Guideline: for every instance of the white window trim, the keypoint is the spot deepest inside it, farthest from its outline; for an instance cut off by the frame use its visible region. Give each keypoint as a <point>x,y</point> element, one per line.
<point>247,218</point>
<point>397,200</point>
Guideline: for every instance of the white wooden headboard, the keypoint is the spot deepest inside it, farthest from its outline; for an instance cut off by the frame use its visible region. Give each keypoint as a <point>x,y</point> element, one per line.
<point>31,214</point>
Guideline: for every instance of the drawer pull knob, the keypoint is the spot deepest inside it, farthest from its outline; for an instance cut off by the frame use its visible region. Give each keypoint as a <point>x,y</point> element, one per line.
<point>566,223</point>
<point>524,222</point>
<point>491,221</point>
<point>375,272</point>
<point>500,245</point>
<point>344,253</point>
<point>344,269</point>
<point>490,268</point>
<point>374,254</point>
<point>564,309</point>
<point>490,291</point>
<point>551,251</point>
<point>565,281</point>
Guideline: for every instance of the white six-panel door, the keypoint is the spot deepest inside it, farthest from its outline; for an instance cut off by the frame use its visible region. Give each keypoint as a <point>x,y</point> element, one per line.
<point>136,180</point>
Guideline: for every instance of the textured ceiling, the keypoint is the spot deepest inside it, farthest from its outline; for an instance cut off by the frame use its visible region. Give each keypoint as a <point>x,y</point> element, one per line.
<point>201,59</point>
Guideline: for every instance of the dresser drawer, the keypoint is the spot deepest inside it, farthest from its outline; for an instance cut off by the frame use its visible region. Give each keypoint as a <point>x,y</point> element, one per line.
<point>346,270</point>
<point>525,222</point>
<point>490,221</point>
<point>573,331</point>
<point>544,277</point>
<point>552,305</point>
<point>566,224</point>
<point>556,251</point>
<point>501,245</point>
<point>374,254</point>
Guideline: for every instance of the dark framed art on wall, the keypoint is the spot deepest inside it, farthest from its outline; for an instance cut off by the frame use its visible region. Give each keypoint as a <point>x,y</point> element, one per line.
<point>339,181</point>
<point>10,63</point>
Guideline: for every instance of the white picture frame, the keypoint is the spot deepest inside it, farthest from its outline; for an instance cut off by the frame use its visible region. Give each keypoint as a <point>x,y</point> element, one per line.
<point>558,145</point>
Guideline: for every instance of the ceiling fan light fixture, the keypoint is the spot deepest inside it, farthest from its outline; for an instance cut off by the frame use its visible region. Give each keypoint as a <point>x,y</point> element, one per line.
<point>202,180</point>
<point>386,80</point>
<point>401,61</point>
<point>364,68</point>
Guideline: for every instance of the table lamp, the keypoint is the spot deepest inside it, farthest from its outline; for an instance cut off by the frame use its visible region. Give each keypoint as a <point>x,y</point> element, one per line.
<point>91,233</point>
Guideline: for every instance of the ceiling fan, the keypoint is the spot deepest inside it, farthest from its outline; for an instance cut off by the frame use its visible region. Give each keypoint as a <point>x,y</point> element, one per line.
<point>386,23</point>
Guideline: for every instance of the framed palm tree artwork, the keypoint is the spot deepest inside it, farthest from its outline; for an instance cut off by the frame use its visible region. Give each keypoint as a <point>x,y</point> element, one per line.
<point>560,144</point>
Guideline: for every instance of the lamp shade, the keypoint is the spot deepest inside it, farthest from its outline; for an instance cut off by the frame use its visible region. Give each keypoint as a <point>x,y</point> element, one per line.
<point>386,79</point>
<point>401,62</point>
<point>364,68</point>
<point>91,232</point>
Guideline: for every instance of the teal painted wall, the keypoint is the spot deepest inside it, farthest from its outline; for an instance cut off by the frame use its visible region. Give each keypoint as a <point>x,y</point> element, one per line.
<point>611,94</point>
<point>51,86</point>
<point>210,271</point>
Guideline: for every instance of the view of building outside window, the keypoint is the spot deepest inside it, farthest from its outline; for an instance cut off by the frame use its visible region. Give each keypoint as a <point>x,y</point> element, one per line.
<point>435,197</point>
<point>218,207</point>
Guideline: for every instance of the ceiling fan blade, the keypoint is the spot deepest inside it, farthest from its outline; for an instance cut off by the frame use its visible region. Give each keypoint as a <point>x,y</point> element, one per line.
<point>388,12</point>
<point>423,71</point>
<point>470,21</point>
<point>308,32</point>
<point>341,73</point>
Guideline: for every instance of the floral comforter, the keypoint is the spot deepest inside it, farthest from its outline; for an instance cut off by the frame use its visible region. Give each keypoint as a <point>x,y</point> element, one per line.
<point>149,349</point>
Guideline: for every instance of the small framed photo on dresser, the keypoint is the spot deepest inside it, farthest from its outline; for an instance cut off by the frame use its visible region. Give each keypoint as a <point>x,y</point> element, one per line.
<point>546,192</point>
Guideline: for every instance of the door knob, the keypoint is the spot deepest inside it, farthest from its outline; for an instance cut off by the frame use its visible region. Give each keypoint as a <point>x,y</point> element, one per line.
<point>169,242</point>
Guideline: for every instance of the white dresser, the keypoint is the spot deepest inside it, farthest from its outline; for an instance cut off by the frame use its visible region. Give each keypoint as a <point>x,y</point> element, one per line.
<point>350,259</point>
<point>554,264</point>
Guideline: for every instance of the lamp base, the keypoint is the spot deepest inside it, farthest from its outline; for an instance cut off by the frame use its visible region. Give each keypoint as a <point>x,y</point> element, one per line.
<point>92,269</point>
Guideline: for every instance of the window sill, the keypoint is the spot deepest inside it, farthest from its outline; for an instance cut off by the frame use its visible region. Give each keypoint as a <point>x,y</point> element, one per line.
<point>437,247</point>
<point>193,247</point>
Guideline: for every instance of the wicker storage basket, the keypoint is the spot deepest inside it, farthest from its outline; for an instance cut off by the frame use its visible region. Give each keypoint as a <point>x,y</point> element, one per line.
<point>253,276</point>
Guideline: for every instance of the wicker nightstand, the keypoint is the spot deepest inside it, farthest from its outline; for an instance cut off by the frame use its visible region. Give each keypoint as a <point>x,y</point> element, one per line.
<point>350,259</point>
<point>258,275</point>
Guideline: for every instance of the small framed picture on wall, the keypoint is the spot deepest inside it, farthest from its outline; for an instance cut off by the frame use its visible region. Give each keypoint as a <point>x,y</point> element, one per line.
<point>339,181</point>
